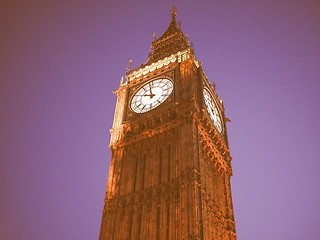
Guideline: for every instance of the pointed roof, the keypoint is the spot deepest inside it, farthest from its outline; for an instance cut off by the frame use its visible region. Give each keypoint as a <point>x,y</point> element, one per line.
<point>170,42</point>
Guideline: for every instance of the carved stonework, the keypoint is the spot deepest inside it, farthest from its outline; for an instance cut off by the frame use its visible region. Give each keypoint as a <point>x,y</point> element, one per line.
<point>170,167</point>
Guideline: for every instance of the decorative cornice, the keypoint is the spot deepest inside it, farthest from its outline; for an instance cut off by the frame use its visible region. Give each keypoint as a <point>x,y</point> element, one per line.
<point>131,137</point>
<point>179,57</point>
<point>164,189</point>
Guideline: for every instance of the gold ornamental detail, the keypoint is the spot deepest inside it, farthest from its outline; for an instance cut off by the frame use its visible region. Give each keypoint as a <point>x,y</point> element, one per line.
<point>179,56</point>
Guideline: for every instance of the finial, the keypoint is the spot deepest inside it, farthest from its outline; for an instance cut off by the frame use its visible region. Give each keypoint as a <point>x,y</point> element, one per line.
<point>121,81</point>
<point>213,85</point>
<point>130,64</point>
<point>179,23</point>
<point>151,50</point>
<point>154,36</point>
<point>187,37</point>
<point>191,47</point>
<point>151,47</point>
<point>173,12</point>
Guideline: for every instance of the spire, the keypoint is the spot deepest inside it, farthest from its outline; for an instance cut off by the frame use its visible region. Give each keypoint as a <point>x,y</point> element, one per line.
<point>170,42</point>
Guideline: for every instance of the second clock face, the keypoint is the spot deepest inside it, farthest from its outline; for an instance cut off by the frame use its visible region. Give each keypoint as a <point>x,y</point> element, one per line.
<point>212,110</point>
<point>151,95</point>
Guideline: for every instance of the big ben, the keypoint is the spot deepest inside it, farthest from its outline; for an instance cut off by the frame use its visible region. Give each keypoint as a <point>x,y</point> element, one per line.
<point>170,170</point>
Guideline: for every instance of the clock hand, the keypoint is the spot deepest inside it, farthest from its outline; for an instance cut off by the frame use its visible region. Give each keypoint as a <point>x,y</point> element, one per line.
<point>151,94</point>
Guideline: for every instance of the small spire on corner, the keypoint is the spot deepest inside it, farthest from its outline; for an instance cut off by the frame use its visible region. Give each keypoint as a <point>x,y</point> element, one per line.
<point>121,81</point>
<point>130,65</point>
<point>151,47</point>
<point>154,36</point>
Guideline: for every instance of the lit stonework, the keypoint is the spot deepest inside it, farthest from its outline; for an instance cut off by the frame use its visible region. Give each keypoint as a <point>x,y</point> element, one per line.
<point>170,168</point>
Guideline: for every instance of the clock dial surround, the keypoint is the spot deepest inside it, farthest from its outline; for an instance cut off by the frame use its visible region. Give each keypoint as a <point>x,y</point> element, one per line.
<point>151,95</point>
<point>212,110</point>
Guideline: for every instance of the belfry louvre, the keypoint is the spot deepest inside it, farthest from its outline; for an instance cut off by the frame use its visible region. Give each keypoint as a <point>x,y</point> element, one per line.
<point>170,169</point>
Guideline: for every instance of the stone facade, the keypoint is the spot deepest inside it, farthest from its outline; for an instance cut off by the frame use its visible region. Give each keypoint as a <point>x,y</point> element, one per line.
<point>170,170</point>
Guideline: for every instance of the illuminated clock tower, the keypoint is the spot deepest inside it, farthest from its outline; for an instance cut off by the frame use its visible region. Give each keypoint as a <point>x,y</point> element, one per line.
<point>170,170</point>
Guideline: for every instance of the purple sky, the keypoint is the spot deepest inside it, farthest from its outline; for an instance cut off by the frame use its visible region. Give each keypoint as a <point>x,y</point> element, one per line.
<point>61,60</point>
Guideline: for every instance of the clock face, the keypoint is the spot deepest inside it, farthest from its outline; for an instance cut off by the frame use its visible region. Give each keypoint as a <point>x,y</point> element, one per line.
<point>212,110</point>
<point>151,95</point>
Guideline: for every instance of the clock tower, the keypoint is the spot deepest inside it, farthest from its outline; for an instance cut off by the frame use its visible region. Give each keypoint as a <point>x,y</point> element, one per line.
<point>170,169</point>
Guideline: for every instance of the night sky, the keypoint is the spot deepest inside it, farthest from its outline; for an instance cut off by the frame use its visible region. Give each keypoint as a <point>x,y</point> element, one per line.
<point>60,61</point>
